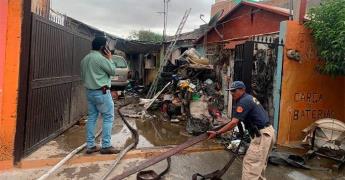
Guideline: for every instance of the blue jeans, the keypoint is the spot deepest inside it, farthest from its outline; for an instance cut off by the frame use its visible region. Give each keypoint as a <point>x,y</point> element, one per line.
<point>99,103</point>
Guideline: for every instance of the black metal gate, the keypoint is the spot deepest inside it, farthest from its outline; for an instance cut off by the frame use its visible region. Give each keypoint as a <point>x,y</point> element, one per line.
<point>55,95</point>
<point>244,63</point>
<point>255,65</point>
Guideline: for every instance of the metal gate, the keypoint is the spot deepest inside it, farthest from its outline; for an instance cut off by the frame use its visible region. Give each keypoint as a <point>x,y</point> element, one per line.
<point>244,63</point>
<point>255,65</point>
<point>56,97</point>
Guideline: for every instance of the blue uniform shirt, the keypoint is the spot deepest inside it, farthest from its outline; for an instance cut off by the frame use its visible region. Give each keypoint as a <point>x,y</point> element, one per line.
<point>248,109</point>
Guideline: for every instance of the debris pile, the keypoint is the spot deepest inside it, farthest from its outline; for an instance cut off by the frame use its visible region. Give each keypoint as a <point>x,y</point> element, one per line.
<point>189,91</point>
<point>194,94</point>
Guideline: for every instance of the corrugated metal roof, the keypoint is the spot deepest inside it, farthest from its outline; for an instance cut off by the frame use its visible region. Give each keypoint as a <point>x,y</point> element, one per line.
<point>189,35</point>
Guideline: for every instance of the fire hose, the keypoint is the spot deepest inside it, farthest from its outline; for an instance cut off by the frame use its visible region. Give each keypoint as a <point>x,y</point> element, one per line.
<point>80,148</point>
<point>147,163</point>
<point>143,175</point>
<point>216,175</point>
<point>166,155</point>
<point>162,156</point>
<point>128,148</point>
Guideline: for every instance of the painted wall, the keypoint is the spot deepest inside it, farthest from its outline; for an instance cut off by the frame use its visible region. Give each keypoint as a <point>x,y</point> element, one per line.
<point>3,31</point>
<point>243,24</point>
<point>306,95</point>
<point>10,70</point>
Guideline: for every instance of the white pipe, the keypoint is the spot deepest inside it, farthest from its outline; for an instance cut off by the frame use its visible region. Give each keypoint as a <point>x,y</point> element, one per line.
<point>64,160</point>
<point>147,106</point>
<point>117,160</point>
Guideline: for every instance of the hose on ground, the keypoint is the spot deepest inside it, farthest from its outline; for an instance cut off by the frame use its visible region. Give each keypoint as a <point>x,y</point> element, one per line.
<point>135,135</point>
<point>80,148</point>
<point>64,160</point>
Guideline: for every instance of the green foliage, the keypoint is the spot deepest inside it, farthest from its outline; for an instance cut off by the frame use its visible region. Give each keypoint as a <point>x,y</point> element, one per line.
<point>144,35</point>
<point>328,28</point>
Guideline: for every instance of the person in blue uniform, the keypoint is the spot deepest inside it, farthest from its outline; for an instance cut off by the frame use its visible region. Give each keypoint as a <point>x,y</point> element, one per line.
<point>247,109</point>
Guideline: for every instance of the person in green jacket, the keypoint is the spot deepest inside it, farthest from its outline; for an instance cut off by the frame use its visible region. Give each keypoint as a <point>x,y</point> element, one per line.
<point>97,68</point>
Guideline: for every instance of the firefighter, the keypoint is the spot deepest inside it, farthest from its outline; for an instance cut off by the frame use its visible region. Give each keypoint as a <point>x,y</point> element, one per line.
<point>247,109</point>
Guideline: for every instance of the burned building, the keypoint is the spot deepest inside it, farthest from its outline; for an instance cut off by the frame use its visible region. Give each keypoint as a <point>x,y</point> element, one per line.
<point>242,45</point>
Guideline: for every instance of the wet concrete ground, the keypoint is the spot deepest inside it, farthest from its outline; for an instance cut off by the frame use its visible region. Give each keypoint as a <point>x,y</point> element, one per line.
<point>182,168</point>
<point>154,132</point>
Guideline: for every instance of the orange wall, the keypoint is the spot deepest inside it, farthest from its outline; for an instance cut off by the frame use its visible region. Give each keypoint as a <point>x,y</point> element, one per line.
<point>10,73</point>
<point>306,95</point>
<point>3,30</point>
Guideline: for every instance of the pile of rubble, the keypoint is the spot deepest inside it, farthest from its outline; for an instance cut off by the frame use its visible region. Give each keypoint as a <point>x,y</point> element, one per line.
<point>194,94</point>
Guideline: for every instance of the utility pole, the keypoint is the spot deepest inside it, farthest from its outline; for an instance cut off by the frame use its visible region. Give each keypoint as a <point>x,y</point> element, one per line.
<point>164,21</point>
<point>165,18</point>
<point>291,8</point>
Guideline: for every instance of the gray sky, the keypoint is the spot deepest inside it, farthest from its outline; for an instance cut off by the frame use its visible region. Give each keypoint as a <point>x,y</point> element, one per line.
<point>119,17</point>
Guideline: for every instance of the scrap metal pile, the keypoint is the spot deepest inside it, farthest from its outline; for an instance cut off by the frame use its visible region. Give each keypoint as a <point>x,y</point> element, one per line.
<point>194,94</point>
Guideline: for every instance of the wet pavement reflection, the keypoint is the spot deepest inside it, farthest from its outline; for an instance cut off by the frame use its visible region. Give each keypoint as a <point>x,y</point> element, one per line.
<point>152,132</point>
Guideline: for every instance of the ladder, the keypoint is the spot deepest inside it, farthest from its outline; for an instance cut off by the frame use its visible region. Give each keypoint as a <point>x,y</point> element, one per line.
<point>154,84</point>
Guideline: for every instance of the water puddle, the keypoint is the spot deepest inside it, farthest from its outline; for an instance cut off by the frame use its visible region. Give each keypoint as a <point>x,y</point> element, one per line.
<point>152,132</point>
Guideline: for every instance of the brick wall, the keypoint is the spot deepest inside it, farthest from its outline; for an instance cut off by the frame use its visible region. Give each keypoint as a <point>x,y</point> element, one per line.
<point>226,5</point>
<point>242,24</point>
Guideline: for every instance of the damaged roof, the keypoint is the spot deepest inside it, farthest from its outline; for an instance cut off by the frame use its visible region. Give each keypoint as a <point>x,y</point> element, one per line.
<point>189,35</point>
<point>136,47</point>
<point>125,45</point>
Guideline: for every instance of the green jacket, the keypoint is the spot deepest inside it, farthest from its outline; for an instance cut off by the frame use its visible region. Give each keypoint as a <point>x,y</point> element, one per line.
<point>96,70</point>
